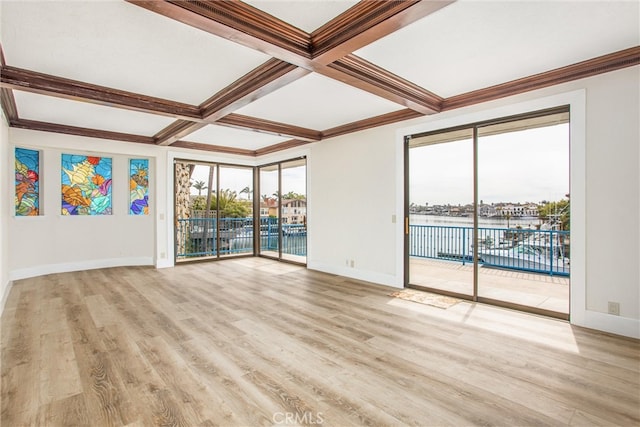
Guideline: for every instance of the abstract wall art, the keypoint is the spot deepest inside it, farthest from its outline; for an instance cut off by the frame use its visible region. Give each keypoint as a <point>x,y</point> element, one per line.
<point>27,172</point>
<point>86,185</point>
<point>139,186</point>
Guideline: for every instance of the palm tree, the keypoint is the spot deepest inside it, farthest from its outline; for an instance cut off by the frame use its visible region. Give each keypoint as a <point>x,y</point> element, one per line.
<point>199,185</point>
<point>246,190</point>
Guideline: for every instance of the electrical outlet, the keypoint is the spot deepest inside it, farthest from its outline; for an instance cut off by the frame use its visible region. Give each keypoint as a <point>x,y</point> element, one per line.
<point>352,263</point>
<point>614,308</point>
<point>346,262</point>
<point>163,255</point>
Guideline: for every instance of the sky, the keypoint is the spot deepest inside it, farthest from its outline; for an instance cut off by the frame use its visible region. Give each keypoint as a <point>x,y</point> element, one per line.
<point>525,166</point>
<point>237,178</point>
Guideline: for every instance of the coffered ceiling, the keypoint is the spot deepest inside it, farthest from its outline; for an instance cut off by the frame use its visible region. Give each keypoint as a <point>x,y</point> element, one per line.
<point>260,76</point>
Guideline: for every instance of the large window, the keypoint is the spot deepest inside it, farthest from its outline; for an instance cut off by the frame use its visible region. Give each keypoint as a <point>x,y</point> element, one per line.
<point>214,210</point>
<point>283,210</point>
<point>218,213</point>
<point>488,211</point>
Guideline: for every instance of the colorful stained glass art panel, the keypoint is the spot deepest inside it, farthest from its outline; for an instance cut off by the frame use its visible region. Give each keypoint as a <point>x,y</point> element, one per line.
<point>86,185</point>
<point>139,186</point>
<point>27,182</point>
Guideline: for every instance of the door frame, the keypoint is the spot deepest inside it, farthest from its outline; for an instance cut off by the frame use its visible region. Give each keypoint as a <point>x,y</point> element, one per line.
<point>475,125</point>
<point>256,210</point>
<point>217,166</point>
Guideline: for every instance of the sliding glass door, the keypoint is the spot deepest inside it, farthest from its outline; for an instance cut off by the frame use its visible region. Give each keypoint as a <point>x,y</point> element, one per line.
<point>234,204</point>
<point>441,211</point>
<point>523,189</point>
<point>488,210</point>
<point>293,210</point>
<point>283,210</point>
<point>213,210</point>
<point>269,211</point>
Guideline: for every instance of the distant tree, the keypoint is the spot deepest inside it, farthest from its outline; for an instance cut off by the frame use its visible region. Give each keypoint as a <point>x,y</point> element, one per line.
<point>292,195</point>
<point>199,185</point>
<point>557,213</point>
<point>229,205</point>
<point>199,204</point>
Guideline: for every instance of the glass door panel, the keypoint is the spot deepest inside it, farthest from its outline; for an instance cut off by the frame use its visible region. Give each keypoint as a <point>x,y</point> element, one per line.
<point>523,191</point>
<point>293,210</point>
<point>269,212</point>
<point>213,210</point>
<point>234,202</point>
<point>441,211</point>
<point>196,227</point>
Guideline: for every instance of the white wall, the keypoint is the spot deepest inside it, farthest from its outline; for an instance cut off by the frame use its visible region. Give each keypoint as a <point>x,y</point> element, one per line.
<point>55,243</point>
<point>353,194</point>
<point>613,182</point>
<point>354,198</point>
<point>4,212</point>
<point>52,242</point>
<point>354,190</point>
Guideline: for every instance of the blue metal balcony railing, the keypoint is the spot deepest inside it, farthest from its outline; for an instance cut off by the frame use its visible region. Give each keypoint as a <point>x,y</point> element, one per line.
<point>198,237</point>
<point>541,251</point>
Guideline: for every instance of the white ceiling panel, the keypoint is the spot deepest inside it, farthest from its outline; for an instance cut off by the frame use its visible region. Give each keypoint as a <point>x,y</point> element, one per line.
<point>307,15</point>
<point>231,137</point>
<point>318,102</point>
<point>62,111</point>
<point>465,46</point>
<point>471,45</point>
<point>120,45</point>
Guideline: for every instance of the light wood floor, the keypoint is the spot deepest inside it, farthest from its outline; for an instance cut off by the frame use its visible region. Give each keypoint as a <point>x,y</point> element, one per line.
<point>252,342</point>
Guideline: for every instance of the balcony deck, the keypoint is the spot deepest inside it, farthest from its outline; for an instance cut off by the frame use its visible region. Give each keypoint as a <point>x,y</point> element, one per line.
<point>542,291</point>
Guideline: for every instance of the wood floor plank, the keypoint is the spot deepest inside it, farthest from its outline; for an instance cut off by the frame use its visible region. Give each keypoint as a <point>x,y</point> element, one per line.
<point>70,411</point>
<point>185,385</point>
<point>254,342</point>
<point>101,312</point>
<point>59,376</point>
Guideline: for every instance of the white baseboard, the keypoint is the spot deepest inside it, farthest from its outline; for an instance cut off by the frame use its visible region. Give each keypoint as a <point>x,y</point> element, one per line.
<point>609,323</point>
<point>40,270</point>
<point>354,273</point>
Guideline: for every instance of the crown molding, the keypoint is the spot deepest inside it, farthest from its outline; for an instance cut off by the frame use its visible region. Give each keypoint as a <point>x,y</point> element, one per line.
<point>591,67</point>
<point>80,131</point>
<point>45,84</point>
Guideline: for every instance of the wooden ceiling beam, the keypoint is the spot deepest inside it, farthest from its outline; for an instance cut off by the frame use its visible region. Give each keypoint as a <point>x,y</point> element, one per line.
<point>7,100</point>
<point>45,84</point>
<point>372,122</point>
<point>176,130</point>
<point>259,82</point>
<point>267,78</point>
<point>364,75</point>
<point>326,51</point>
<point>366,22</point>
<point>80,131</point>
<point>280,146</point>
<point>267,126</point>
<point>591,67</point>
<point>8,104</point>
<point>240,23</point>
<point>213,148</point>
